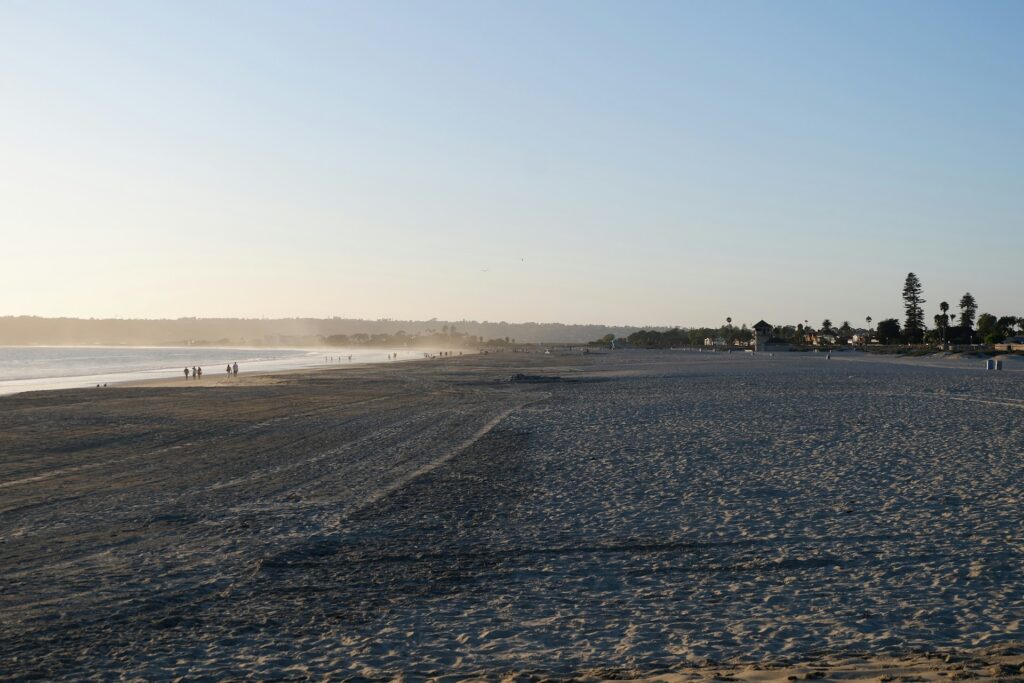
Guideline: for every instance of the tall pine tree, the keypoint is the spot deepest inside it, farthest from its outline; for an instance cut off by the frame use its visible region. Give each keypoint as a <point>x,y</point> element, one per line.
<point>968,309</point>
<point>913,328</point>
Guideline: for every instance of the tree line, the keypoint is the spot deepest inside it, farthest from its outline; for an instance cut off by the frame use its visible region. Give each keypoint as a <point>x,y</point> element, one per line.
<point>447,336</point>
<point>695,336</point>
<point>964,326</point>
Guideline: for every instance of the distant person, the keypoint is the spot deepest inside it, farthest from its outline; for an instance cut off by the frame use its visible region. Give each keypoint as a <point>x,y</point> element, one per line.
<point>229,369</point>
<point>194,375</point>
<point>234,368</point>
<point>186,373</point>
<point>350,359</point>
<point>199,370</point>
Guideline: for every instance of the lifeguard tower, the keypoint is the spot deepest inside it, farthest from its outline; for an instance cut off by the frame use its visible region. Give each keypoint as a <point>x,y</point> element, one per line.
<point>762,333</point>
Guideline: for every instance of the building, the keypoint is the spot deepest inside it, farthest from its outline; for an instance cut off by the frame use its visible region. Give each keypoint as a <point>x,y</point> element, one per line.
<point>762,333</point>
<point>821,338</point>
<point>860,336</point>
<point>1011,344</point>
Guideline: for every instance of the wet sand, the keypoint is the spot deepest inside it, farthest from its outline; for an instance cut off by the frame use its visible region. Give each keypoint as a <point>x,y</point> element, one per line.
<point>660,515</point>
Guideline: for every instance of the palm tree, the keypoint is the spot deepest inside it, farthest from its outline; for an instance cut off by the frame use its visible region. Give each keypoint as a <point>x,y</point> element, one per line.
<point>826,328</point>
<point>944,307</point>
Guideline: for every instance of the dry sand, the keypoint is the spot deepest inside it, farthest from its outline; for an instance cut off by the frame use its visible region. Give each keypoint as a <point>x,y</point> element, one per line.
<point>662,515</point>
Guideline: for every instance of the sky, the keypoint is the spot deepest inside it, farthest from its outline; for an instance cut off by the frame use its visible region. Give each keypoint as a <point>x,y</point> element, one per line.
<point>647,163</point>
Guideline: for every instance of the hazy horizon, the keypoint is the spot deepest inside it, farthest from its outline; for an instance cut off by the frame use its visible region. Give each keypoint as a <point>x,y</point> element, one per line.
<point>664,163</point>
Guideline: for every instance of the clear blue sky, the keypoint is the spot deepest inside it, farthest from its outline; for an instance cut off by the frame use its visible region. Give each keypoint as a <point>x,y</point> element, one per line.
<point>642,163</point>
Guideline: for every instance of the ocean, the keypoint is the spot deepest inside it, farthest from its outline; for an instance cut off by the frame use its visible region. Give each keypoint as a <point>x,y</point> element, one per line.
<point>30,368</point>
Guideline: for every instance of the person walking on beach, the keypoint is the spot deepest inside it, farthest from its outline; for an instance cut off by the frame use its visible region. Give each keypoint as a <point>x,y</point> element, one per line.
<point>200,372</point>
<point>194,375</point>
<point>235,368</point>
<point>229,370</point>
<point>186,373</point>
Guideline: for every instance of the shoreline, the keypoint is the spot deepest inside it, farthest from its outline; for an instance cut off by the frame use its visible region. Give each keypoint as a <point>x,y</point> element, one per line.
<point>169,376</point>
<point>264,377</point>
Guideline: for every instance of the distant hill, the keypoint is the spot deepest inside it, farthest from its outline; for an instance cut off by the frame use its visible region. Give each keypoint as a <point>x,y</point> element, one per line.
<point>32,330</point>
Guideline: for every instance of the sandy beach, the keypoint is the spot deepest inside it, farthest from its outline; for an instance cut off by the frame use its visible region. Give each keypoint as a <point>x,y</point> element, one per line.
<point>623,515</point>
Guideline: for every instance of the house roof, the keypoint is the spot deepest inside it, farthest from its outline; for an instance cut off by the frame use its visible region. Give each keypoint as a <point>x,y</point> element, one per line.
<point>762,325</point>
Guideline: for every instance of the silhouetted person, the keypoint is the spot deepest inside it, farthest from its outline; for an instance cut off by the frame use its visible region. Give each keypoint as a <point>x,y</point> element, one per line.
<point>229,370</point>
<point>235,368</point>
<point>194,375</point>
<point>200,371</point>
<point>186,373</point>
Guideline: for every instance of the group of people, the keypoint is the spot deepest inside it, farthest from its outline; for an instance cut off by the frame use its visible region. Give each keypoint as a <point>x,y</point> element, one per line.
<point>197,372</point>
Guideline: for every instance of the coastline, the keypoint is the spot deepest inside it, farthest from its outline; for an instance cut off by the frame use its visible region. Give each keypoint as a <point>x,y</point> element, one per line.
<point>265,377</point>
<point>146,375</point>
